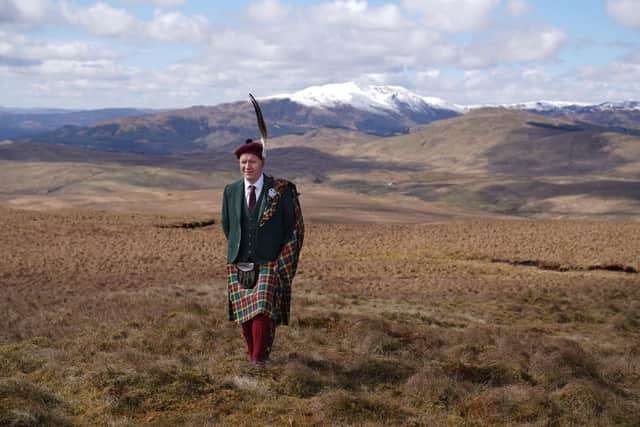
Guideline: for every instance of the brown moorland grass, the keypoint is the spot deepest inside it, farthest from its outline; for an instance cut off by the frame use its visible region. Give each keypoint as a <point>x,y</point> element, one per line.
<point>112,319</point>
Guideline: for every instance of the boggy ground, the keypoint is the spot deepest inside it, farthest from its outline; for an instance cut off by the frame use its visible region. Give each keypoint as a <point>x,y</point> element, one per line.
<point>112,319</point>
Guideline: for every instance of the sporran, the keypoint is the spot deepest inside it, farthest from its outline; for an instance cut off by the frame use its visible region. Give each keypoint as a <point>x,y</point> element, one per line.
<point>248,274</point>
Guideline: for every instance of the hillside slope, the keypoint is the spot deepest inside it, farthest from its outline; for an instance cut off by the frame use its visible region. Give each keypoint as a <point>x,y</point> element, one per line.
<point>25,123</point>
<point>519,143</point>
<point>491,161</point>
<point>203,128</point>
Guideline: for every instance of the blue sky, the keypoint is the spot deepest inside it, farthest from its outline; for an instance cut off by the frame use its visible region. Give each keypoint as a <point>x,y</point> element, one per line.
<point>178,53</point>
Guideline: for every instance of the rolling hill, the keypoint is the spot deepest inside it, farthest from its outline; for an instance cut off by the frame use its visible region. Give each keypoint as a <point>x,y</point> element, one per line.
<point>22,123</point>
<point>370,110</point>
<point>382,111</point>
<point>624,116</point>
<point>497,160</point>
<point>502,141</point>
<point>489,161</point>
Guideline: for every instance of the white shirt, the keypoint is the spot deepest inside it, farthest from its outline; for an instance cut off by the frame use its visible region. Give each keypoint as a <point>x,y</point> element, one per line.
<point>258,184</point>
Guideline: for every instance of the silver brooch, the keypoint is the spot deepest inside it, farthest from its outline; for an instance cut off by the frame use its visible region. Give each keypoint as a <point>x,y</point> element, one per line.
<point>272,193</point>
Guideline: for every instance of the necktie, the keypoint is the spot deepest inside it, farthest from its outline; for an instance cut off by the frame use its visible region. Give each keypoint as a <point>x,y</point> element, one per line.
<point>252,197</point>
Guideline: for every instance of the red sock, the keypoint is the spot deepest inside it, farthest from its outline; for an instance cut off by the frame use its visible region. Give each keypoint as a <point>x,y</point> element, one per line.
<point>261,333</point>
<point>248,336</point>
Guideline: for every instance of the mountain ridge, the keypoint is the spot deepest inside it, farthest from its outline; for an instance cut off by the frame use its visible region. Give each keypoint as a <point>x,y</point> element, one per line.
<point>491,160</point>
<point>380,111</point>
<point>201,128</point>
<point>352,93</point>
<point>22,123</point>
<point>367,97</point>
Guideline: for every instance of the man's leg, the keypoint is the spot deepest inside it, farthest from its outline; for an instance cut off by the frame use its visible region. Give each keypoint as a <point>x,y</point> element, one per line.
<point>248,336</point>
<point>261,330</point>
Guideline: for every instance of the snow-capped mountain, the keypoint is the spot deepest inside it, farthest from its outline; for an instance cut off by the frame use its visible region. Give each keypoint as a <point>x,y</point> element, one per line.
<point>531,105</point>
<point>546,106</point>
<point>618,105</point>
<point>375,99</point>
<point>576,106</point>
<point>619,115</point>
<point>375,110</point>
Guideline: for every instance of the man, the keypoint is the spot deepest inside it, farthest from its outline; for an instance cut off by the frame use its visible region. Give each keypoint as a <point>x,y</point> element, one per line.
<point>262,221</point>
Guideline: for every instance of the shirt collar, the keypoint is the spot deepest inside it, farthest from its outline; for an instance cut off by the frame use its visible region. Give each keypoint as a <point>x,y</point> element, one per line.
<point>259,183</point>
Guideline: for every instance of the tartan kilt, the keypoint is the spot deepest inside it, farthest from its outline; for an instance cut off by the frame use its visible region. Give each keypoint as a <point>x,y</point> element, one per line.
<point>272,293</point>
<point>267,297</point>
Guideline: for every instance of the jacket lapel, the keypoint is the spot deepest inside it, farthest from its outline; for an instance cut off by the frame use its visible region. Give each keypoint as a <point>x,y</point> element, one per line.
<point>238,200</point>
<point>268,183</point>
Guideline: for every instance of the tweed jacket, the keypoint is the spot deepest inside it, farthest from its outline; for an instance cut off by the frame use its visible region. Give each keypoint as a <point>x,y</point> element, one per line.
<point>272,233</point>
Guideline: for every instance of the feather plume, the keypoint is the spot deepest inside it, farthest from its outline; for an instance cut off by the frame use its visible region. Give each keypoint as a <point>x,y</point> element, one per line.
<point>261,124</point>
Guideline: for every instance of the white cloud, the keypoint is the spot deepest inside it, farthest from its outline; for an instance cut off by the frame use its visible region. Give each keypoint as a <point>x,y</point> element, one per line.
<point>156,2</point>
<point>282,46</point>
<point>248,50</point>
<point>34,51</point>
<point>515,83</point>
<point>453,15</point>
<point>102,20</point>
<point>632,57</point>
<point>625,71</point>
<point>44,72</point>
<point>625,12</point>
<point>434,82</point>
<point>23,11</point>
<point>175,27</point>
<point>341,37</point>
<point>96,70</point>
<point>358,14</point>
<point>194,77</point>
<point>512,84</point>
<point>353,40</point>
<point>507,85</point>
<point>67,50</point>
<point>532,45</point>
<point>518,8</point>
<point>267,11</point>
<point>428,74</point>
<point>169,2</point>
<point>68,77</point>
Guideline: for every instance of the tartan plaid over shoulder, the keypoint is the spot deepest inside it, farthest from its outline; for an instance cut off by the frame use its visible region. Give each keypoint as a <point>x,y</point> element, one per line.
<point>272,293</point>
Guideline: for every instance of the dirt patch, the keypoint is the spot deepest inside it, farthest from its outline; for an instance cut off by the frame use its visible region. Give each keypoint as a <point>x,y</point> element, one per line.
<point>543,265</point>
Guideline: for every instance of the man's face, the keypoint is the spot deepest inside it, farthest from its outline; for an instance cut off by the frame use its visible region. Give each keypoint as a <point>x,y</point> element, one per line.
<point>251,166</point>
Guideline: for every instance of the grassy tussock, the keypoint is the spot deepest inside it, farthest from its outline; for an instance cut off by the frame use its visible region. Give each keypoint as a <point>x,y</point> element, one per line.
<point>348,408</point>
<point>23,403</point>
<point>300,380</point>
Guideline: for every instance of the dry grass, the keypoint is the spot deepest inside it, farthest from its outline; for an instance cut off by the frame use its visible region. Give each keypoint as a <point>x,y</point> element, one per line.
<point>110,319</point>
